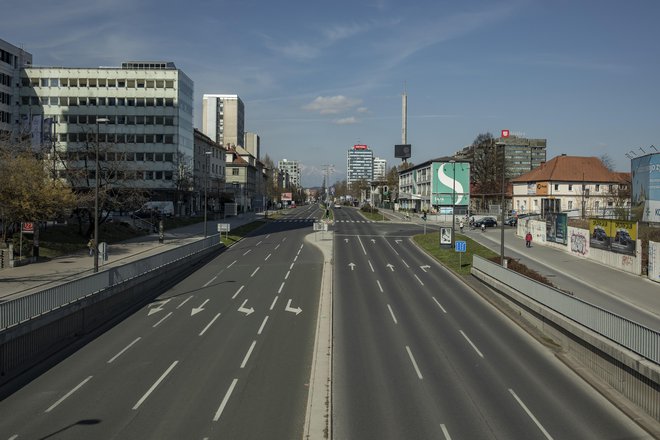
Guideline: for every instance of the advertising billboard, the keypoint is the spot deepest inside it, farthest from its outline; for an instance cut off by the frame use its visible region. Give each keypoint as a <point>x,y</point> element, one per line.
<point>613,235</point>
<point>450,180</point>
<point>286,197</point>
<point>646,186</point>
<point>402,151</point>
<point>556,228</point>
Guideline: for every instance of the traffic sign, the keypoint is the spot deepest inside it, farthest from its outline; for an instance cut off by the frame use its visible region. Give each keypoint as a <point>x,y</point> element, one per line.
<point>224,227</point>
<point>461,246</point>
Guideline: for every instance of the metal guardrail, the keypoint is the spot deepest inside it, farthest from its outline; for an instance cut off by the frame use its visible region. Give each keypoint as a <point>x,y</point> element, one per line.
<point>23,309</point>
<point>631,335</point>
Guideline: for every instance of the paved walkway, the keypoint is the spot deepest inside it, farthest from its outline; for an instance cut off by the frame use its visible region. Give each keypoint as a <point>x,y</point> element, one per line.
<point>23,280</point>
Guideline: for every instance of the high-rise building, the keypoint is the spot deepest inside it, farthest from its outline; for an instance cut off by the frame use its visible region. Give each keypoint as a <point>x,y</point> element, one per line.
<point>12,60</point>
<point>521,155</point>
<point>380,169</point>
<point>359,164</point>
<point>293,168</point>
<point>138,116</point>
<point>223,119</point>
<point>252,144</point>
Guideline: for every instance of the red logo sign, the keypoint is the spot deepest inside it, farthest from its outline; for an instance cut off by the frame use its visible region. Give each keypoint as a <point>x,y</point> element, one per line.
<point>505,133</point>
<point>360,147</point>
<point>28,227</point>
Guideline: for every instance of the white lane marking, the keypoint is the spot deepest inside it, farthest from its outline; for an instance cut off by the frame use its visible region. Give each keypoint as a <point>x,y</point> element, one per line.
<point>267,257</point>
<point>209,324</point>
<point>212,279</point>
<point>247,252</point>
<point>470,342</point>
<point>406,264</point>
<point>412,359</point>
<point>184,301</point>
<point>291,267</point>
<point>379,286</point>
<point>420,281</point>
<point>286,277</point>
<point>445,432</point>
<point>363,249</point>
<point>268,236</point>
<point>237,292</point>
<point>125,348</point>
<point>63,398</point>
<point>225,400</point>
<point>153,387</point>
<point>234,262</point>
<point>392,246</point>
<point>255,271</point>
<point>273,304</point>
<point>13,437</point>
<point>281,287</point>
<point>277,246</point>
<point>247,355</point>
<point>392,313</point>
<point>301,246</point>
<point>372,268</point>
<point>439,305</point>
<point>284,239</point>
<point>263,324</point>
<point>163,319</point>
<point>295,258</point>
<point>259,243</point>
<point>529,413</point>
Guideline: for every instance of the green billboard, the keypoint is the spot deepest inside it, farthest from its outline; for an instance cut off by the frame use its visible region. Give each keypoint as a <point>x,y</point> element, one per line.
<point>450,179</point>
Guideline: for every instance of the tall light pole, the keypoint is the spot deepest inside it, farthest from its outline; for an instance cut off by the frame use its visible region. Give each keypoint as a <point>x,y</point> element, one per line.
<point>453,203</point>
<point>96,196</point>
<point>207,154</point>
<point>502,207</point>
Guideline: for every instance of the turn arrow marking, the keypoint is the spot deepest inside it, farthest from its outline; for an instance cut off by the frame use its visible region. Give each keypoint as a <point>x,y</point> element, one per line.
<point>424,267</point>
<point>391,267</point>
<point>244,310</point>
<point>288,308</point>
<point>196,310</point>
<point>158,307</point>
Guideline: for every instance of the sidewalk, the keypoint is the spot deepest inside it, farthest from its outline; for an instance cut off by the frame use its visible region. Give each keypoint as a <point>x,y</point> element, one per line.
<point>24,280</point>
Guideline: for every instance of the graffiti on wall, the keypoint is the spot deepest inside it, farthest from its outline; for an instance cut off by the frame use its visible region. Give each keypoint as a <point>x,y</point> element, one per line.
<point>579,243</point>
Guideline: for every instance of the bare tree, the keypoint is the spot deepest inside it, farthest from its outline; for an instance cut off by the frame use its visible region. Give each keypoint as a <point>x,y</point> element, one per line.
<point>487,168</point>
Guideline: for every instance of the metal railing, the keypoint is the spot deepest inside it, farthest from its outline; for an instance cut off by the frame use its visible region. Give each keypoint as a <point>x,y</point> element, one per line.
<point>22,309</point>
<point>629,334</point>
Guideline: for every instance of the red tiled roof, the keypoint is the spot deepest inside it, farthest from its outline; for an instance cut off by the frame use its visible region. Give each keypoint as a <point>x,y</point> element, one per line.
<point>570,169</point>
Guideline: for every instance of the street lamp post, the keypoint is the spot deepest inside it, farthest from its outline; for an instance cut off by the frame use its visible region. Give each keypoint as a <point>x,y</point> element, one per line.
<point>453,203</point>
<point>206,178</point>
<point>96,196</point>
<point>502,262</point>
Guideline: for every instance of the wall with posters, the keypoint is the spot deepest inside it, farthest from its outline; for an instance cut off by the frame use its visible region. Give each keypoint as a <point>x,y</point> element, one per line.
<point>646,186</point>
<point>613,235</point>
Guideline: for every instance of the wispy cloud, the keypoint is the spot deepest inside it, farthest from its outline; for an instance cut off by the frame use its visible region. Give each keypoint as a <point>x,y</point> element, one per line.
<point>327,105</point>
<point>346,121</point>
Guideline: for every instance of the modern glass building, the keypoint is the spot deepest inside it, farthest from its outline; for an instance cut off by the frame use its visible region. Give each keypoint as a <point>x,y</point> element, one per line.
<point>359,164</point>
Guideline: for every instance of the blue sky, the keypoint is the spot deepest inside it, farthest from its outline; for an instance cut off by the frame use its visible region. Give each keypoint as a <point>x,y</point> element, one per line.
<point>317,77</point>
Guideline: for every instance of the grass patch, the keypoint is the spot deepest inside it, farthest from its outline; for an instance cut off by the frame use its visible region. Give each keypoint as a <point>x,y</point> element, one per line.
<point>376,216</point>
<point>458,262</point>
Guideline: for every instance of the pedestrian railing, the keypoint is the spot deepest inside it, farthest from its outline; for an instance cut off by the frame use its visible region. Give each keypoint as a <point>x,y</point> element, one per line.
<point>22,309</point>
<point>629,334</point>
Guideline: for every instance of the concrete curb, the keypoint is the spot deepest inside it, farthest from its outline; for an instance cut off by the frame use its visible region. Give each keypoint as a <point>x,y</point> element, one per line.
<point>318,423</point>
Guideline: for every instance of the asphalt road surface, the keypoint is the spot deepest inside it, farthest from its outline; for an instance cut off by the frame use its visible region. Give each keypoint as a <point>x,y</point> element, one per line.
<point>418,355</point>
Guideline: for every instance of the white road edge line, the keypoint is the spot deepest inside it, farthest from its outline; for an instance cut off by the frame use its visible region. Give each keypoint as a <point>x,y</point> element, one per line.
<point>380,287</point>
<point>225,400</point>
<point>263,324</point>
<point>470,342</point>
<point>125,348</point>
<point>247,355</point>
<point>209,324</point>
<point>237,292</point>
<point>184,301</point>
<point>439,305</point>
<point>529,413</point>
<point>392,313</point>
<point>63,398</point>
<point>412,359</point>
<point>162,319</point>
<point>153,387</point>
<point>444,431</point>
<point>210,281</point>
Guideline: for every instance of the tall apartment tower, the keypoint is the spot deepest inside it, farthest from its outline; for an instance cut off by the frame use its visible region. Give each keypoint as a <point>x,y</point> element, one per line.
<point>380,168</point>
<point>292,167</point>
<point>223,119</point>
<point>12,60</point>
<point>252,144</point>
<point>138,115</point>
<point>359,164</point>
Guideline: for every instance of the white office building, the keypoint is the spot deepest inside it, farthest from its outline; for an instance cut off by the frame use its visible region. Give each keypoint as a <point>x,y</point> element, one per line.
<point>223,119</point>
<point>380,169</point>
<point>359,164</point>
<point>12,60</point>
<point>293,168</point>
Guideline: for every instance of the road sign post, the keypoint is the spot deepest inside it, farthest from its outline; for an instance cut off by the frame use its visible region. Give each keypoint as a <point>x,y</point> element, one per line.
<point>460,247</point>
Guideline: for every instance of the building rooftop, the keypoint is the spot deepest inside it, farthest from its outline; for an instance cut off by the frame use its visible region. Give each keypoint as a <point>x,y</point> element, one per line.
<point>572,169</point>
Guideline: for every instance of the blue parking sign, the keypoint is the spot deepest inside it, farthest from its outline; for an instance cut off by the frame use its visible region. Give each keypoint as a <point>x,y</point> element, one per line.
<point>461,246</point>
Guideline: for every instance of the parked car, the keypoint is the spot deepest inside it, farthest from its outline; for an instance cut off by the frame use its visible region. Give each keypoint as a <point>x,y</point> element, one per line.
<point>511,221</point>
<point>488,222</point>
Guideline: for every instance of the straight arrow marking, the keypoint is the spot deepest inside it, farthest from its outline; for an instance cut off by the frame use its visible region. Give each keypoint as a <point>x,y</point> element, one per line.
<point>196,310</point>
<point>352,265</point>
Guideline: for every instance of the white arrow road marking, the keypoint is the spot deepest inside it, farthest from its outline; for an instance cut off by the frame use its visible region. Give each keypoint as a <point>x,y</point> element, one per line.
<point>247,355</point>
<point>373,240</point>
<point>68,394</point>
<point>196,310</point>
<point>157,307</point>
<point>244,310</point>
<point>397,241</point>
<point>391,267</point>
<point>352,265</point>
<point>425,267</point>
<point>237,292</point>
<point>224,401</point>
<point>345,240</point>
<point>209,324</point>
<point>153,387</point>
<point>288,308</point>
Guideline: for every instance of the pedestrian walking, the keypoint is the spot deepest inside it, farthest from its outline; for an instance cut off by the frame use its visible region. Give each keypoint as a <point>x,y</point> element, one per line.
<point>91,247</point>
<point>460,225</point>
<point>528,239</point>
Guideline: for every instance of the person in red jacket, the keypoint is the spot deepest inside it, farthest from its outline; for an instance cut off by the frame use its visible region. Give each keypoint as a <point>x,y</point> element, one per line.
<point>528,239</point>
